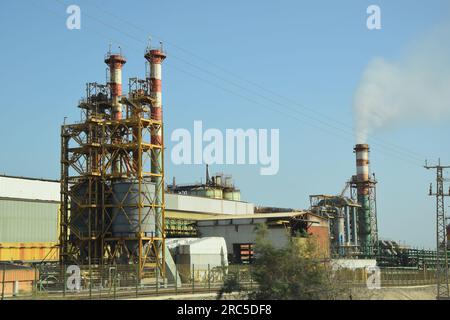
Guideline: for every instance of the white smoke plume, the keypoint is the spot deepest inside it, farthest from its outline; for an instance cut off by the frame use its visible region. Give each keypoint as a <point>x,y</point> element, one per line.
<point>414,88</point>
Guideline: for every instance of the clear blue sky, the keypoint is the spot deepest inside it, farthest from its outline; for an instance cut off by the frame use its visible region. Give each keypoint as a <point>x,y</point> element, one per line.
<point>312,52</point>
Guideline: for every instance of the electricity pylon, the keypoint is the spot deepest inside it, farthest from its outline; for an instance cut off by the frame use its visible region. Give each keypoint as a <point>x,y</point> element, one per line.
<point>441,237</point>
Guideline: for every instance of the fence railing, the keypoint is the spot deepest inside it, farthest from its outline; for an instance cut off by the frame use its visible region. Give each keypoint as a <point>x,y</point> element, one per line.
<point>391,257</point>
<point>119,281</point>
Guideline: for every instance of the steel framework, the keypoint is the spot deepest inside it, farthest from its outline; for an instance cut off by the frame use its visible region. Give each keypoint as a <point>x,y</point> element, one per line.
<point>368,248</point>
<point>343,221</point>
<point>441,237</point>
<point>99,152</point>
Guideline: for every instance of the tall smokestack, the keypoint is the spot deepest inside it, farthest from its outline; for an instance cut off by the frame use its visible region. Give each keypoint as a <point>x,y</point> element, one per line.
<point>362,164</point>
<point>155,57</point>
<point>363,192</point>
<point>115,63</point>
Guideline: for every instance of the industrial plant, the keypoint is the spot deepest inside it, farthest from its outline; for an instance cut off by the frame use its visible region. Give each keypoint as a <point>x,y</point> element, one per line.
<point>112,208</point>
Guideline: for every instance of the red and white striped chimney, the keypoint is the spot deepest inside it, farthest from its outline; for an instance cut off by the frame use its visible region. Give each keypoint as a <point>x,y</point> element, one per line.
<point>362,166</point>
<point>156,57</point>
<point>115,63</point>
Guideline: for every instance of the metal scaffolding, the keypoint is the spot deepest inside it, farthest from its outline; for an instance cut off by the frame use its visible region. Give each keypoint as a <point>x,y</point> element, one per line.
<point>112,189</point>
<point>342,213</point>
<point>369,210</point>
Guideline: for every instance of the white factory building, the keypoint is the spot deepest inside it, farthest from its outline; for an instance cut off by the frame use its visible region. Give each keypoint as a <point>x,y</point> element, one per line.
<point>29,226</point>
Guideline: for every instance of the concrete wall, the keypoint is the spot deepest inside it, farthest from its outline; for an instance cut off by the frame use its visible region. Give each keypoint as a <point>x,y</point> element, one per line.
<point>353,263</point>
<point>322,235</point>
<point>244,232</point>
<point>321,232</point>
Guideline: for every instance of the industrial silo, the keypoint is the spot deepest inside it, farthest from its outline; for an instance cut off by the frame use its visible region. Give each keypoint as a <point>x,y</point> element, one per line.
<point>85,220</point>
<point>79,224</point>
<point>232,194</point>
<point>208,192</point>
<point>132,211</point>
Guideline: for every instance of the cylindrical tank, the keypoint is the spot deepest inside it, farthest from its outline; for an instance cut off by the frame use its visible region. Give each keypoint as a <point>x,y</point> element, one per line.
<point>233,195</point>
<point>213,193</point>
<point>340,229</point>
<point>228,182</point>
<point>125,214</point>
<point>79,218</point>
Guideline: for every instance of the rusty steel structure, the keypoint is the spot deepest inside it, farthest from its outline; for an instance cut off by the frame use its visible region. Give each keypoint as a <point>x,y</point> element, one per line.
<point>112,174</point>
<point>363,191</point>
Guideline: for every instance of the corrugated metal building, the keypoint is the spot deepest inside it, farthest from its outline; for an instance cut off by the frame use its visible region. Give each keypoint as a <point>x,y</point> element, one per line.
<point>28,218</point>
<point>28,221</point>
<point>17,279</point>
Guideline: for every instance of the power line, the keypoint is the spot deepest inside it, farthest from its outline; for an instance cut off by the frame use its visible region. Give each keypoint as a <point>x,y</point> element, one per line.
<point>340,135</point>
<point>395,149</point>
<point>387,148</point>
<point>227,71</point>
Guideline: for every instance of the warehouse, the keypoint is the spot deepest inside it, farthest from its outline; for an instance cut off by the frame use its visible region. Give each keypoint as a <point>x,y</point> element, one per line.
<point>29,212</point>
<point>28,219</point>
<point>239,232</point>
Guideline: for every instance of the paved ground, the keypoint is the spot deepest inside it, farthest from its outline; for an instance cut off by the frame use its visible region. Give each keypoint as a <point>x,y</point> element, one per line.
<point>405,293</point>
<point>397,293</point>
<point>198,296</point>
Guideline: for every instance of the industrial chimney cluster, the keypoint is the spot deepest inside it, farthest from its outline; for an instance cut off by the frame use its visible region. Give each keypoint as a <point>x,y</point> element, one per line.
<point>353,218</point>
<point>112,177</point>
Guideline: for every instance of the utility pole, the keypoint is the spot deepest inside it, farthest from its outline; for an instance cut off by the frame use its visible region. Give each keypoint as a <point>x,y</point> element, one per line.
<point>441,238</point>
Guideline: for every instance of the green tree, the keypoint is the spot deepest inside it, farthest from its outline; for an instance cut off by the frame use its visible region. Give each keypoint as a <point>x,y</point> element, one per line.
<point>230,285</point>
<point>294,272</point>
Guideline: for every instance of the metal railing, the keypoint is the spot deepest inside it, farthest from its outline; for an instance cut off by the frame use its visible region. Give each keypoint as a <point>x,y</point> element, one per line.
<point>122,281</point>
